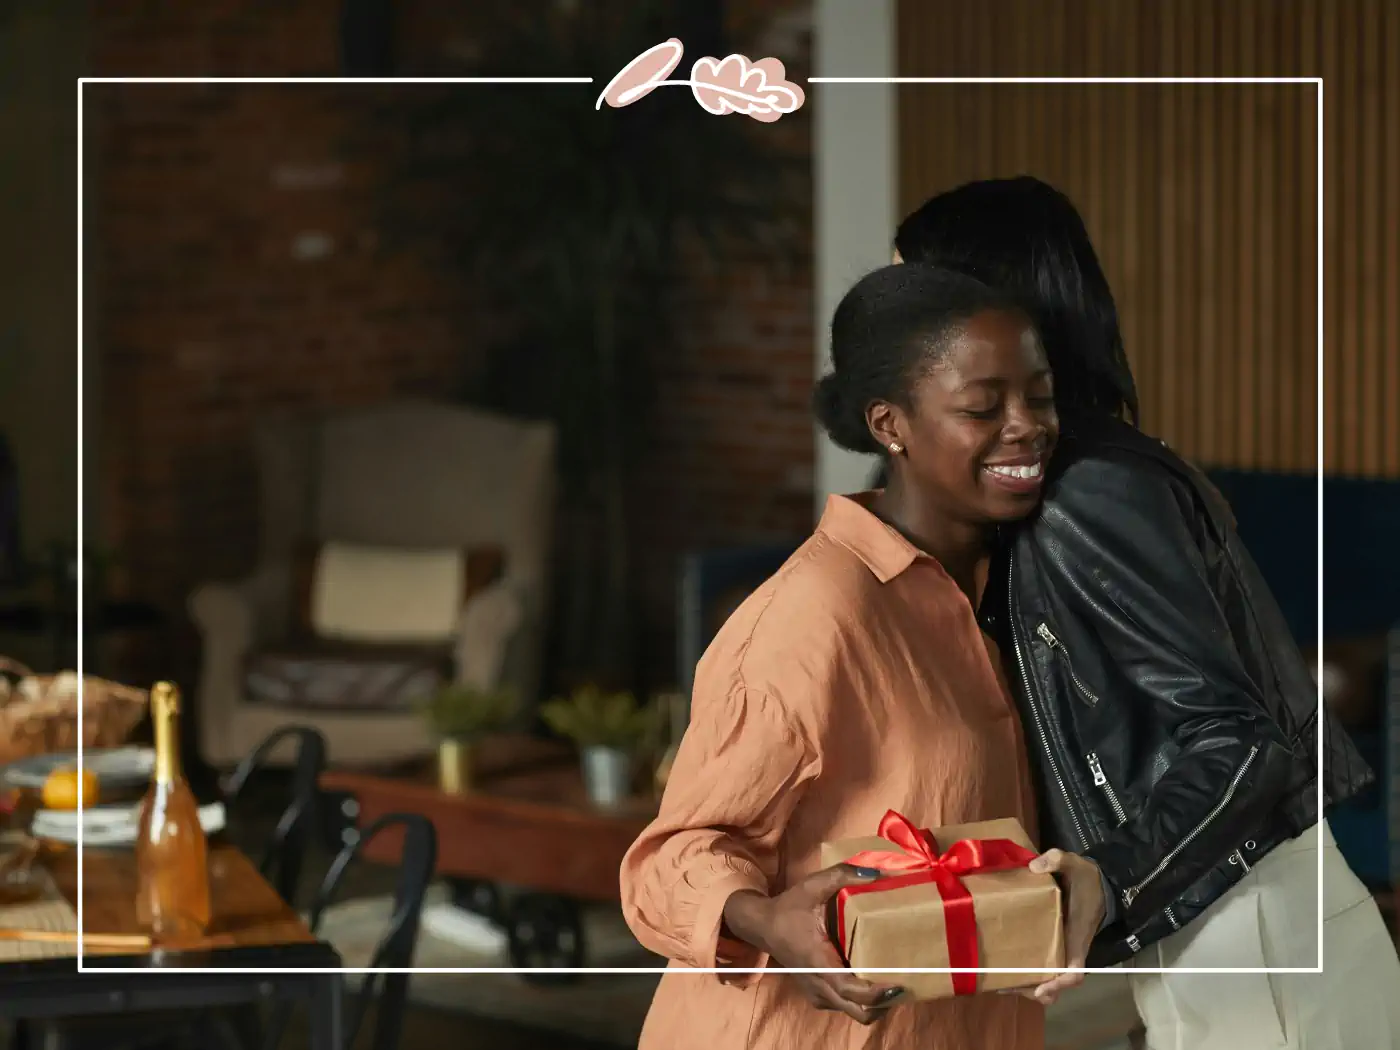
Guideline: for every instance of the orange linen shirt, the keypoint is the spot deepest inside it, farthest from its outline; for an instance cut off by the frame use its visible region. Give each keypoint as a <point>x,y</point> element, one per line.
<point>854,681</point>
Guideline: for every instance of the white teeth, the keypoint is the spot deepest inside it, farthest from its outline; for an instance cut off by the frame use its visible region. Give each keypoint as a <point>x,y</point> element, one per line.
<point>1032,471</point>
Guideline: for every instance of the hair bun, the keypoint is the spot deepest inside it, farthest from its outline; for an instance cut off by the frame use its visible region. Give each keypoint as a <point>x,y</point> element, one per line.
<point>844,424</point>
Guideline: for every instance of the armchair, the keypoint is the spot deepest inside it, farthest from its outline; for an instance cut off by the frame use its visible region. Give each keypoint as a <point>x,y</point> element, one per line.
<point>406,477</point>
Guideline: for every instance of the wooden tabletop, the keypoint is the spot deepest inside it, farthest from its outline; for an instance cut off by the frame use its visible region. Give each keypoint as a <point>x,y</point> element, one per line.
<point>511,774</point>
<point>247,912</point>
<point>527,821</point>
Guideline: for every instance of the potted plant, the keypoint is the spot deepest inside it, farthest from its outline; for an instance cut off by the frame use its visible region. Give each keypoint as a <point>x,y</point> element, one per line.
<point>609,729</point>
<point>459,716</point>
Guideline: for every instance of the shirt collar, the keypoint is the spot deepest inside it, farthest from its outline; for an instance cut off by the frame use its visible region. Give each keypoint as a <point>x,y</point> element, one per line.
<point>850,522</point>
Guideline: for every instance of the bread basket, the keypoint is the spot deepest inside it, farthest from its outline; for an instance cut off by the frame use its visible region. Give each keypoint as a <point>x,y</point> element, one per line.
<point>39,714</point>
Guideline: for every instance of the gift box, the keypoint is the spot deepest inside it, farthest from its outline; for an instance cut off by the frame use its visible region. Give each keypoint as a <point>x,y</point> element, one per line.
<point>958,897</point>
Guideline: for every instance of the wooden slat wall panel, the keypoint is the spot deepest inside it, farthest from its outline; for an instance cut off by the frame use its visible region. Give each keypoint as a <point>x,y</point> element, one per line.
<point>1201,198</point>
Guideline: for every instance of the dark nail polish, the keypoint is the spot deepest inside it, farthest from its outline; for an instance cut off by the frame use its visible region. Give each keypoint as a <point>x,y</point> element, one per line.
<point>889,995</point>
<point>868,873</point>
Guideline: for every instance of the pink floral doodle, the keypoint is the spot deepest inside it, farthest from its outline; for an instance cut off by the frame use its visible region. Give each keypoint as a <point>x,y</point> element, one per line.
<point>732,85</point>
<point>643,75</point>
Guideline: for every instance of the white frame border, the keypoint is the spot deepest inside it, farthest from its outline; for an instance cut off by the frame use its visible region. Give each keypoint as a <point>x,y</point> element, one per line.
<point>835,257</point>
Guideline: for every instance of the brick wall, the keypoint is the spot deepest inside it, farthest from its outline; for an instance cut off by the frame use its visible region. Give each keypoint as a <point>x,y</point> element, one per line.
<point>239,272</point>
<point>730,451</point>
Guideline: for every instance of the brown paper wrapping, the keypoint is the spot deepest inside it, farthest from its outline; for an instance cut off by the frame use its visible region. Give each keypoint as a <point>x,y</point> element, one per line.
<point>1018,919</point>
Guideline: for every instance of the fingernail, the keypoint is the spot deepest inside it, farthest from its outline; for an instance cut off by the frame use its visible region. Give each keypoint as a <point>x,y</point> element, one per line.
<point>889,995</point>
<point>868,873</point>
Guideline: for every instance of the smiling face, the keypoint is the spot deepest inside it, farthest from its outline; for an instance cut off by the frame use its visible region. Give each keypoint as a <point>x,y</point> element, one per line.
<point>980,425</point>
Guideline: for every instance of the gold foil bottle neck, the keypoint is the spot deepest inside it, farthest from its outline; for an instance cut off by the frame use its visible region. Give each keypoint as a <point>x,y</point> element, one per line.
<point>165,699</point>
<point>165,715</point>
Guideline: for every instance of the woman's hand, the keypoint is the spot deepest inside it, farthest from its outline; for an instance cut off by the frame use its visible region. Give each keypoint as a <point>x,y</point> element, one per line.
<point>791,928</point>
<point>1084,910</point>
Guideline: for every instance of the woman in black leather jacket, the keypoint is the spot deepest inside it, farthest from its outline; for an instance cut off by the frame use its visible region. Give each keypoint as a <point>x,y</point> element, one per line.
<point>1173,722</point>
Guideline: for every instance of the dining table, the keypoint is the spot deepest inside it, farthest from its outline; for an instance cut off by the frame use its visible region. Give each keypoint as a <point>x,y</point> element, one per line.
<point>256,949</point>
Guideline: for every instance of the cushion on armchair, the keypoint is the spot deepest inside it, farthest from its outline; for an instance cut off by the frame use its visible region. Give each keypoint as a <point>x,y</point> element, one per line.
<point>386,595</point>
<point>375,629</point>
<point>325,675</point>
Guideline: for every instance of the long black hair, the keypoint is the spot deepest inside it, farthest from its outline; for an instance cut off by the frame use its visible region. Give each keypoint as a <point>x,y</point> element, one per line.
<point>1025,237</point>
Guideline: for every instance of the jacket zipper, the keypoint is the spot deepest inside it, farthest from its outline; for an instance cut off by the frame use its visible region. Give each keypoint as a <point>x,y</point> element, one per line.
<point>1101,780</point>
<point>1035,706</point>
<point>1048,637</point>
<point>1131,893</point>
<point>1171,918</point>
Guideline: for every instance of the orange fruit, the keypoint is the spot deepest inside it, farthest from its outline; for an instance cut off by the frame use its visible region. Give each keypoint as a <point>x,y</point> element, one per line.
<point>61,789</point>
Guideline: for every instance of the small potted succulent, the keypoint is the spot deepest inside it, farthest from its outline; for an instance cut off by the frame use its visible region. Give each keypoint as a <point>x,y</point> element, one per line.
<point>459,716</point>
<point>609,729</point>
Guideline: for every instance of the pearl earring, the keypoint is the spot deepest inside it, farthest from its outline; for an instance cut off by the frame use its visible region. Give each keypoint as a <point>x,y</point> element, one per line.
<point>896,448</point>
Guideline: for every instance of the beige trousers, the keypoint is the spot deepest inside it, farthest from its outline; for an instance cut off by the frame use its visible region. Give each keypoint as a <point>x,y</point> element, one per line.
<point>1269,919</point>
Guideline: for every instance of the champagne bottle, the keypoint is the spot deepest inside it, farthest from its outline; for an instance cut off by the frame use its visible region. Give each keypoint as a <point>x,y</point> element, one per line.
<point>172,856</point>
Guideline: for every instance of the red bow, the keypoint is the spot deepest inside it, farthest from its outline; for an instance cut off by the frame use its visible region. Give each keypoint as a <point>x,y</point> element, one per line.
<point>922,863</point>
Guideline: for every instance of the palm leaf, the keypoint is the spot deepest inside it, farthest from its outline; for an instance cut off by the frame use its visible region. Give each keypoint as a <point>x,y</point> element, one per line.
<point>592,718</point>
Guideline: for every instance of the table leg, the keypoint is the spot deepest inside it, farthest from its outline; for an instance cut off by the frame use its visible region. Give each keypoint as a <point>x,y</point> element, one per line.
<point>327,1012</point>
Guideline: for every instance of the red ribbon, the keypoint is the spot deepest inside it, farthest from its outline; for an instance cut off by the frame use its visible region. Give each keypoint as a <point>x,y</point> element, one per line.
<point>920,863</point>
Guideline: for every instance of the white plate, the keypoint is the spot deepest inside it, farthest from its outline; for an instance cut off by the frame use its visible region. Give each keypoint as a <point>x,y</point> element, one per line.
<point>108,825</point>
<point>117,766</point>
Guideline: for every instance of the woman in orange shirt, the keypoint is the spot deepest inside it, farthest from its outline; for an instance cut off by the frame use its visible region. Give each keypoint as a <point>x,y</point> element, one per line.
<point>854,681</point>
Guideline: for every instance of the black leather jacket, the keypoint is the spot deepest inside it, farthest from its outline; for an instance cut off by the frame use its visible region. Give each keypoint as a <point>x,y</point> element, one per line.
<point>1171,720</point>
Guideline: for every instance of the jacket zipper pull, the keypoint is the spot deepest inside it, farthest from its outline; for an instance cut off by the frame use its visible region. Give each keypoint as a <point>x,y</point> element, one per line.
<point>1047,636</point>
<point>1097,770</point>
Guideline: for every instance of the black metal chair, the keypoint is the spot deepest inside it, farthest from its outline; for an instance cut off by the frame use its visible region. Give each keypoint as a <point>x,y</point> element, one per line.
<point>284,853</point>
<point>417,862</point>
